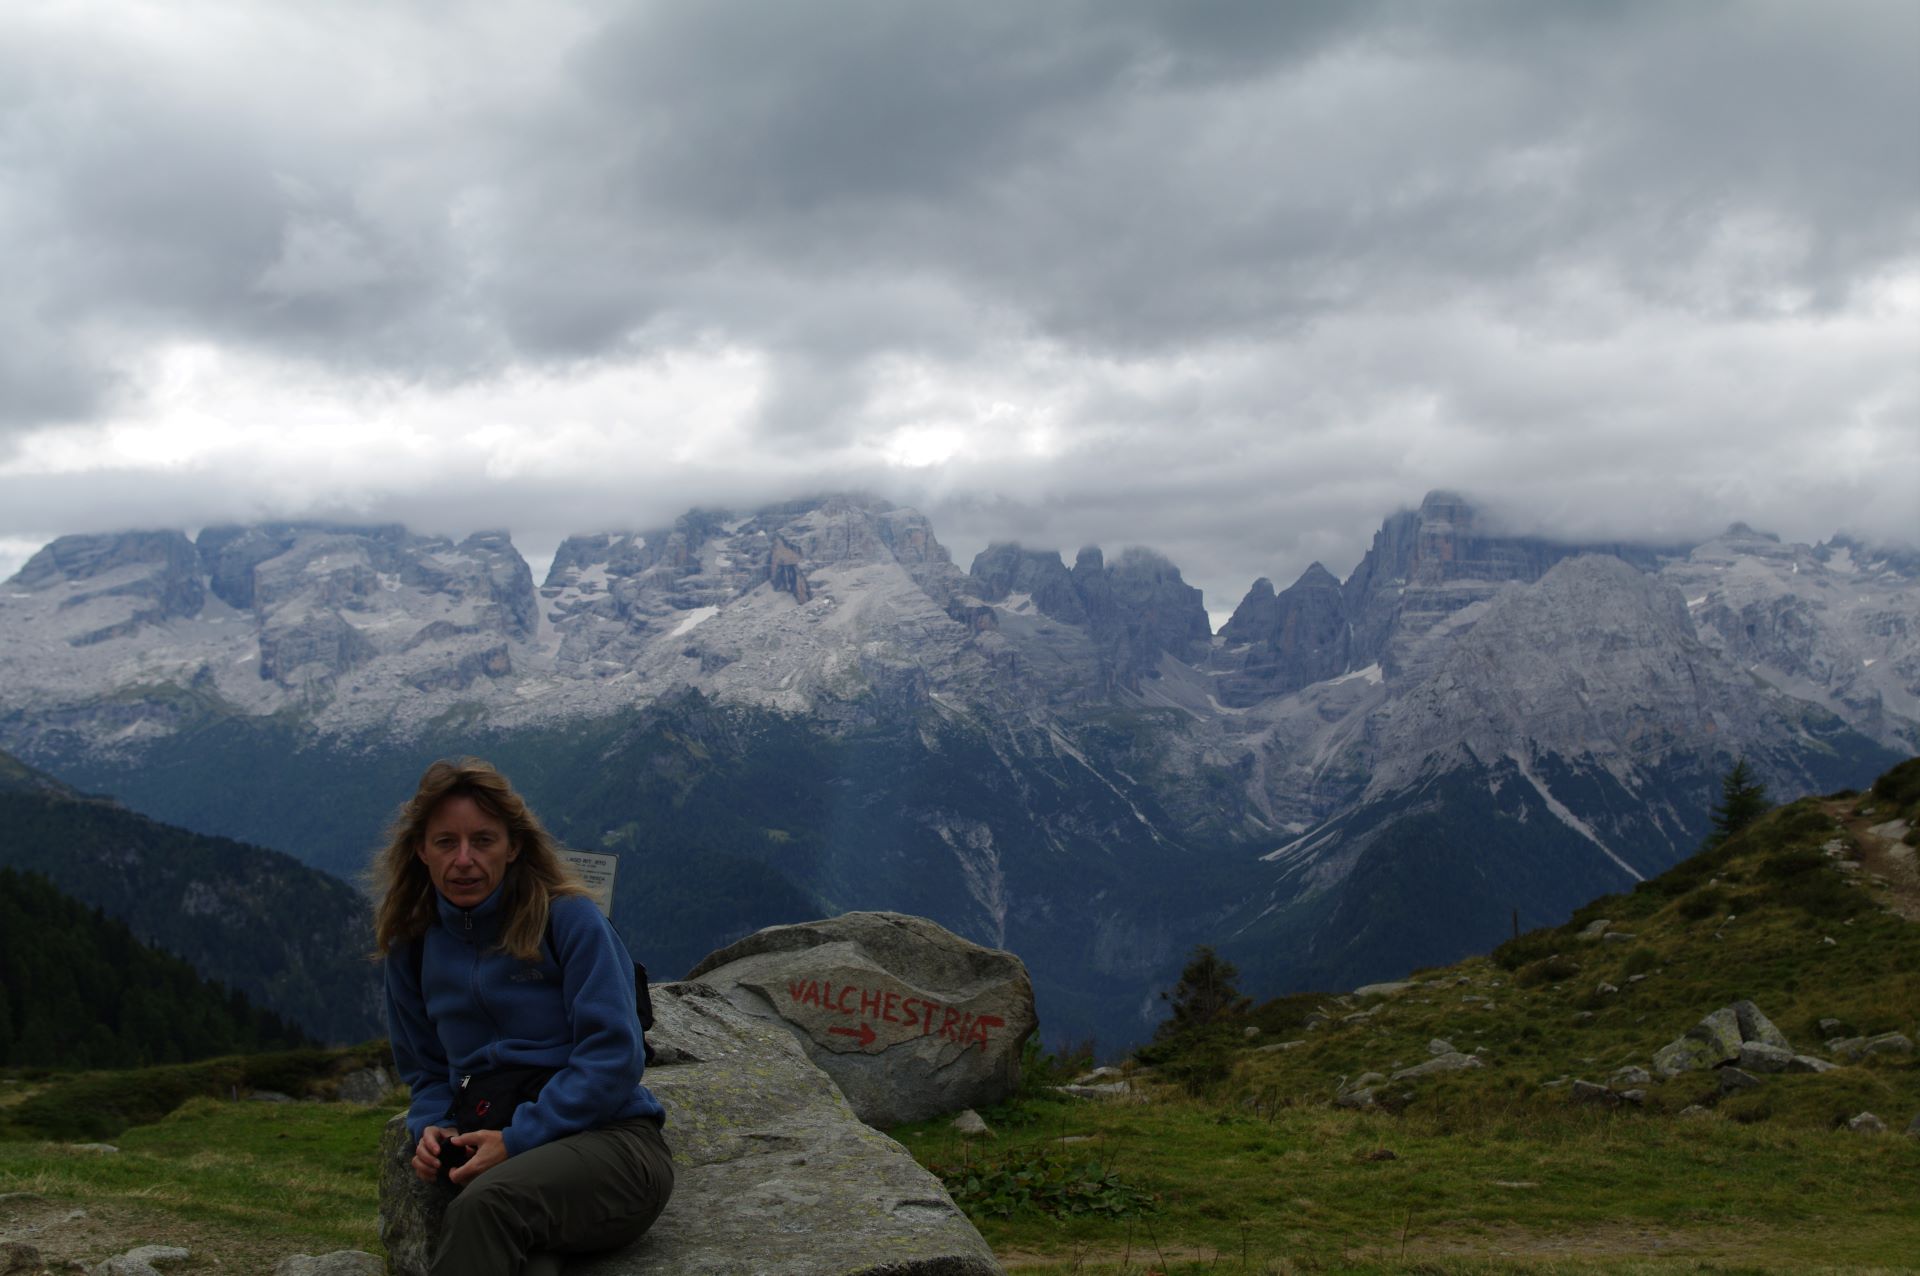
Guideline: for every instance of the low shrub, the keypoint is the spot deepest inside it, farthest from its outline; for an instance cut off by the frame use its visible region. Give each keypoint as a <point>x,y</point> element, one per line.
<point>1900,787</point>
<point>1548,970</point>
<point>1702,904</point>
<point>1029,1180</point>
<point>1534,946</point>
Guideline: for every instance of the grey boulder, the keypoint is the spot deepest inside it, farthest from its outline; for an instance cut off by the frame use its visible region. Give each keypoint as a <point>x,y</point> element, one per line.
<point>342,1262</point>
<point>1867,1123</point>
<point>1853,1049</point>
<point>1755,1057</point>
<point>1683,1054</point>
<point>910,1019</point>
<point>1717,1039</point>
<point>146,1260</point>
<point>775,1174</point>
<point>365,1086</point>
<point>1756,1027</point>
<point>1454,1062</point>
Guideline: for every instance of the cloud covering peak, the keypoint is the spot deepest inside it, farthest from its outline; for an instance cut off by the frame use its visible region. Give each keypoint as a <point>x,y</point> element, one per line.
<point>1231,279</point>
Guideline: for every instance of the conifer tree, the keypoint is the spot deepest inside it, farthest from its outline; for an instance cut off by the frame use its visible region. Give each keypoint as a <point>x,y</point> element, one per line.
<point>1743,799</point>
<point>1205,992</point>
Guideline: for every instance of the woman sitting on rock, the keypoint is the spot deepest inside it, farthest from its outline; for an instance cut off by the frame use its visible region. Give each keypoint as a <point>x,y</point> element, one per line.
<point>510,1002</point>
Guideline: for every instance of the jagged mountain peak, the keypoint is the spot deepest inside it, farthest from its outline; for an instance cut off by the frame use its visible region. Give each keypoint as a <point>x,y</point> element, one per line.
<point>1596,659</point>
<point>83,556</point>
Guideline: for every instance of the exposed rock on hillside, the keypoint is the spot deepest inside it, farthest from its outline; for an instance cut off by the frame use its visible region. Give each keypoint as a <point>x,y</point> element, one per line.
<point>1276,643</point>
<point>1835,624</point>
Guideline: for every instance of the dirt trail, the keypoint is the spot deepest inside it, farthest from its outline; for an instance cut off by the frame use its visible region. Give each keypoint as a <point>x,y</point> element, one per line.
<point>1892,866</point>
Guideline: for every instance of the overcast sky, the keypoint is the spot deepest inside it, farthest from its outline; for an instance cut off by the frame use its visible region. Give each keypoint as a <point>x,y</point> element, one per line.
<point>1232,280</point>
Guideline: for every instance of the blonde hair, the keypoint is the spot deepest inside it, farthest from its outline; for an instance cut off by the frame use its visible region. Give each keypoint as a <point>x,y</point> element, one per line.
<point>404,899</point>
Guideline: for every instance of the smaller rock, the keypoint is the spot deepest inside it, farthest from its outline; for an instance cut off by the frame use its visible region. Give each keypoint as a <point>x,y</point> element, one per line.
<point>1734,1079</point>
<point>1828,941</point>
<point>1832,1028</point>
<point>1867,1123</point>
<point>1365,1081</point>
<point>93,1147</point>
<point>1888,1043</point>
<point>1683,1054</point>
<point>1604,989</point>
<point>1440,1046</point>
<point>1695,1110</point>
<point>1359,1100</point>
<point>1758,1057</point>
<point>1455,1062</point>
<point>1636,1096</point>
<point>269,1096</point>
<point>1278,1045</point>
<point>1720,1033</point>
<point>1807,1063</point>
<point>1387,989</point>
<point>1582,1016</point>
<point>143,1261</point>
<point>1913,1127</point>
<point>367,1086</point>
<point>1315,1019</point>
<point>970,1125</point>
<point>1099,1076</point>
<point>1846,1049</point>
<point>1250,1032</point>
<point>1757,1027</point>
<point>1593,1092</point>
<point>1631,1075</point>
<point>1634,979</point>
<point>1594,929</point>
<point>1114,1090</point>
<point>342,1262</point>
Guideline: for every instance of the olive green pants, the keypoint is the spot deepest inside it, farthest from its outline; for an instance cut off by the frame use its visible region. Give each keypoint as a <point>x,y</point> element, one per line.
<point>589,1191</point>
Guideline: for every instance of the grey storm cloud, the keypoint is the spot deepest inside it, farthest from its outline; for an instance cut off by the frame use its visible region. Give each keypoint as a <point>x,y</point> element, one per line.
<point>1282,266</point>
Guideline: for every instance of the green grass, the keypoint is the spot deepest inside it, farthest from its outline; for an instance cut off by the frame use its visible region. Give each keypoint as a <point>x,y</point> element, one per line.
<point>239,1182</point>
<point>1298,1188</point>
<point>1499,1168</point>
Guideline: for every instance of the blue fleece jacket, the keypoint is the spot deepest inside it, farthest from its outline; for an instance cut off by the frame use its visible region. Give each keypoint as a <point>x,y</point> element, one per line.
<point>477,1009</point>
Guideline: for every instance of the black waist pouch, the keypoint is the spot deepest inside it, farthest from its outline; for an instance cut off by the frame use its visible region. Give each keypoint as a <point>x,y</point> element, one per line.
<point>486,1101</point>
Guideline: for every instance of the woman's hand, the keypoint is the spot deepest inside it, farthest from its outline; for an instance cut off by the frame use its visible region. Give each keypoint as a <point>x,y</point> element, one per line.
<point>426,1155</point>
<point>488,1150</point>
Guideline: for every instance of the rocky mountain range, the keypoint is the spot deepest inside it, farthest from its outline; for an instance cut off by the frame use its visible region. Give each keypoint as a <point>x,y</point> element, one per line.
<point>810,707</point>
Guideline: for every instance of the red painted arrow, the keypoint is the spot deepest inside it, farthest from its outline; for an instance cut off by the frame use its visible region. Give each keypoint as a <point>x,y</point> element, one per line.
<point>864,1032</point>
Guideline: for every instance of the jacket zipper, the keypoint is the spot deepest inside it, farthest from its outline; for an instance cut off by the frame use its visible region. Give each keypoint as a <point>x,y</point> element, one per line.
<point>473,985</point>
